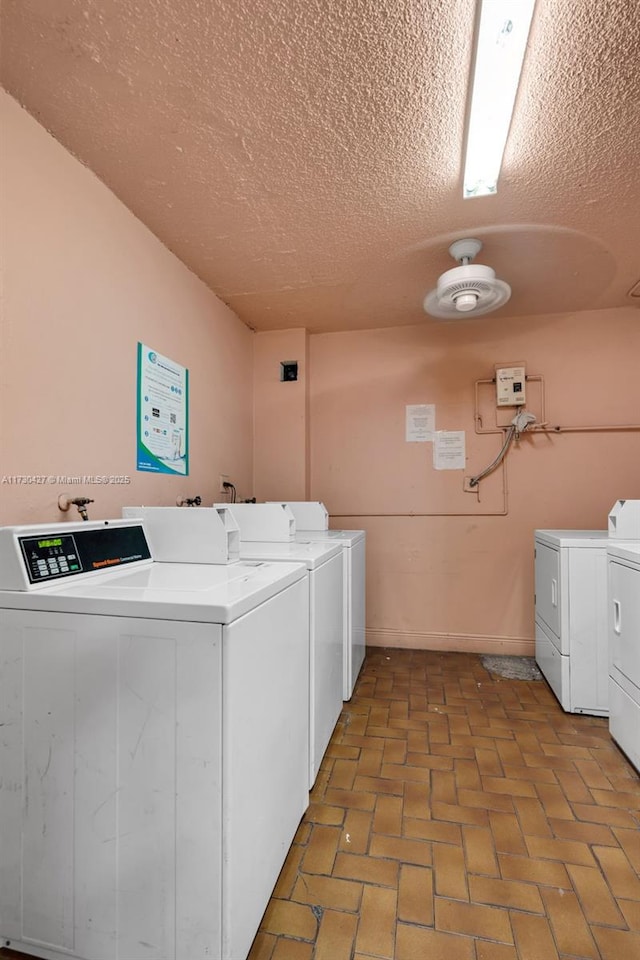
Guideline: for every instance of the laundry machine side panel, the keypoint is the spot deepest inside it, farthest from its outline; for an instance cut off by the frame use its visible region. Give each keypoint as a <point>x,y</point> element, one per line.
<point>554,666</point>
<point>42,807</point>
<point>586,597</point>
<point>356,557</point>
<point>624,619</point>
<point>624,721</point>
<point>99,709</point>
<point>169,802</point>
<point>551,590</point>
<point>327,651</point>
<point>12,785</point>
<point>198,789</point>
<point>265,754</point>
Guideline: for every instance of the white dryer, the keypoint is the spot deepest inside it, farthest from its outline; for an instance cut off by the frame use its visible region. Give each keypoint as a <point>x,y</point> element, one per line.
<point>312,523</point>
<point>623,562</point>
<point>571,617</point>
<point>154,753</point>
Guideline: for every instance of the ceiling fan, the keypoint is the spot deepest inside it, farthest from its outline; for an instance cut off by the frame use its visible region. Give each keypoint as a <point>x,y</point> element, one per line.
<point>469,290</point>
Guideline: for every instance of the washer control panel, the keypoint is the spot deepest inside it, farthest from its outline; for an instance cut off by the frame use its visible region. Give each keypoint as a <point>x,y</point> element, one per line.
<point>50,557</point>
<point>55,555</point>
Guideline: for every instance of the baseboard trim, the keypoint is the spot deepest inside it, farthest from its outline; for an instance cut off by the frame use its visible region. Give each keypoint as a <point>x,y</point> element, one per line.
<point>453,642</point>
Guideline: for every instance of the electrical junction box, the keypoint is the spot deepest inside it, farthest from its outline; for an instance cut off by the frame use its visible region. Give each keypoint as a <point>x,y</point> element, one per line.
<point>288,370</point>
<point>510,386</point>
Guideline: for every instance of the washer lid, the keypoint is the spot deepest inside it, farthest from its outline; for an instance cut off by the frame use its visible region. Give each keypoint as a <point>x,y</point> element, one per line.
<point>346,538</point>
<point>313,554</point>
<point>167,591</point>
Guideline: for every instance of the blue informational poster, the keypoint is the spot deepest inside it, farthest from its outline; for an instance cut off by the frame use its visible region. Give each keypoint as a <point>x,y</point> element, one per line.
<point>163,414</point>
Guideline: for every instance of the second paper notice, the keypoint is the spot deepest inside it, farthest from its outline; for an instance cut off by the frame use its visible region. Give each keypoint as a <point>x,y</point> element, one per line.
<point>448,450</point>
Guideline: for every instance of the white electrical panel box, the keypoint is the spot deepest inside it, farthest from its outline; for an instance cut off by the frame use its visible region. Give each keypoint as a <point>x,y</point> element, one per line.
<point>510,386</point>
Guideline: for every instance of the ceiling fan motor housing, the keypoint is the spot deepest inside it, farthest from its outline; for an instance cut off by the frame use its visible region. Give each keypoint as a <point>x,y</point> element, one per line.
<point>461,282</point>
<point>468,290</point>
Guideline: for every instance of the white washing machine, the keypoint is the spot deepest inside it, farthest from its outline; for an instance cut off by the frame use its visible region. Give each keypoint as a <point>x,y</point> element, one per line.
<point>571,617</point>
<point>353,544</point>
<point>324,563</point>
<point>154,748</point>
<point>312,523</point>
<point>623,562</point>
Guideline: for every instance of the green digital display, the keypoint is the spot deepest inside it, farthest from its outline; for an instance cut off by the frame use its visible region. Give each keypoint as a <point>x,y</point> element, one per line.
<point>56,542</point>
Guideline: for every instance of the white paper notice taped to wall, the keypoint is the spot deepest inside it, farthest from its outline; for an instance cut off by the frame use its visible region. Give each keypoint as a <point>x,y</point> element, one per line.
<point>421,422</point>
<point>448,450</point>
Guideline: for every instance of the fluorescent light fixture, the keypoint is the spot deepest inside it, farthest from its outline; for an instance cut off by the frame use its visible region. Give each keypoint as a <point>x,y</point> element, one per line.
<point>501,43</point>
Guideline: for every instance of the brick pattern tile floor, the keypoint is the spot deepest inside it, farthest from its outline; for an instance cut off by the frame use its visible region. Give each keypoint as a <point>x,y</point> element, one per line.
<point>461,816</point>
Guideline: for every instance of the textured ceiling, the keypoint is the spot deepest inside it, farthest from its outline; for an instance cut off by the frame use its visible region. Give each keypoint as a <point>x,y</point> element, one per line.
<point>303,157</point>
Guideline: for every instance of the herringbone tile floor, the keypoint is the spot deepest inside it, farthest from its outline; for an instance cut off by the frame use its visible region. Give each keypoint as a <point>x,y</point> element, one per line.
<point>461,816</point>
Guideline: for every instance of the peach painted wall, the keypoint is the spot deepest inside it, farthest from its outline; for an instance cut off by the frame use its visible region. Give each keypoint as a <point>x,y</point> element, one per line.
<point>83,282</point>
<point>449,569</point>
<point>281,455</point>
<point>466,582</point>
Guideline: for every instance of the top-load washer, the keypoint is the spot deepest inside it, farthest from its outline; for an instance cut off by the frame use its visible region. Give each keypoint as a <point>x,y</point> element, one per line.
<point>312,523</point>
<point>154,753</point>
<point>324,563</point>
<point>623,561</point>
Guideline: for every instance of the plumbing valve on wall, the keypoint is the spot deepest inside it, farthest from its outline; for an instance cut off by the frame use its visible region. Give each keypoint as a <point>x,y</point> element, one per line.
<point>64,502</point>
<point>518,425</point>
<point>510,383</point>
<point>510,392</point>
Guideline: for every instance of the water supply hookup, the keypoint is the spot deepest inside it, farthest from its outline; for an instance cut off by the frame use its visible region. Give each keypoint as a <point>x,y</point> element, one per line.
<point>64,502</point>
